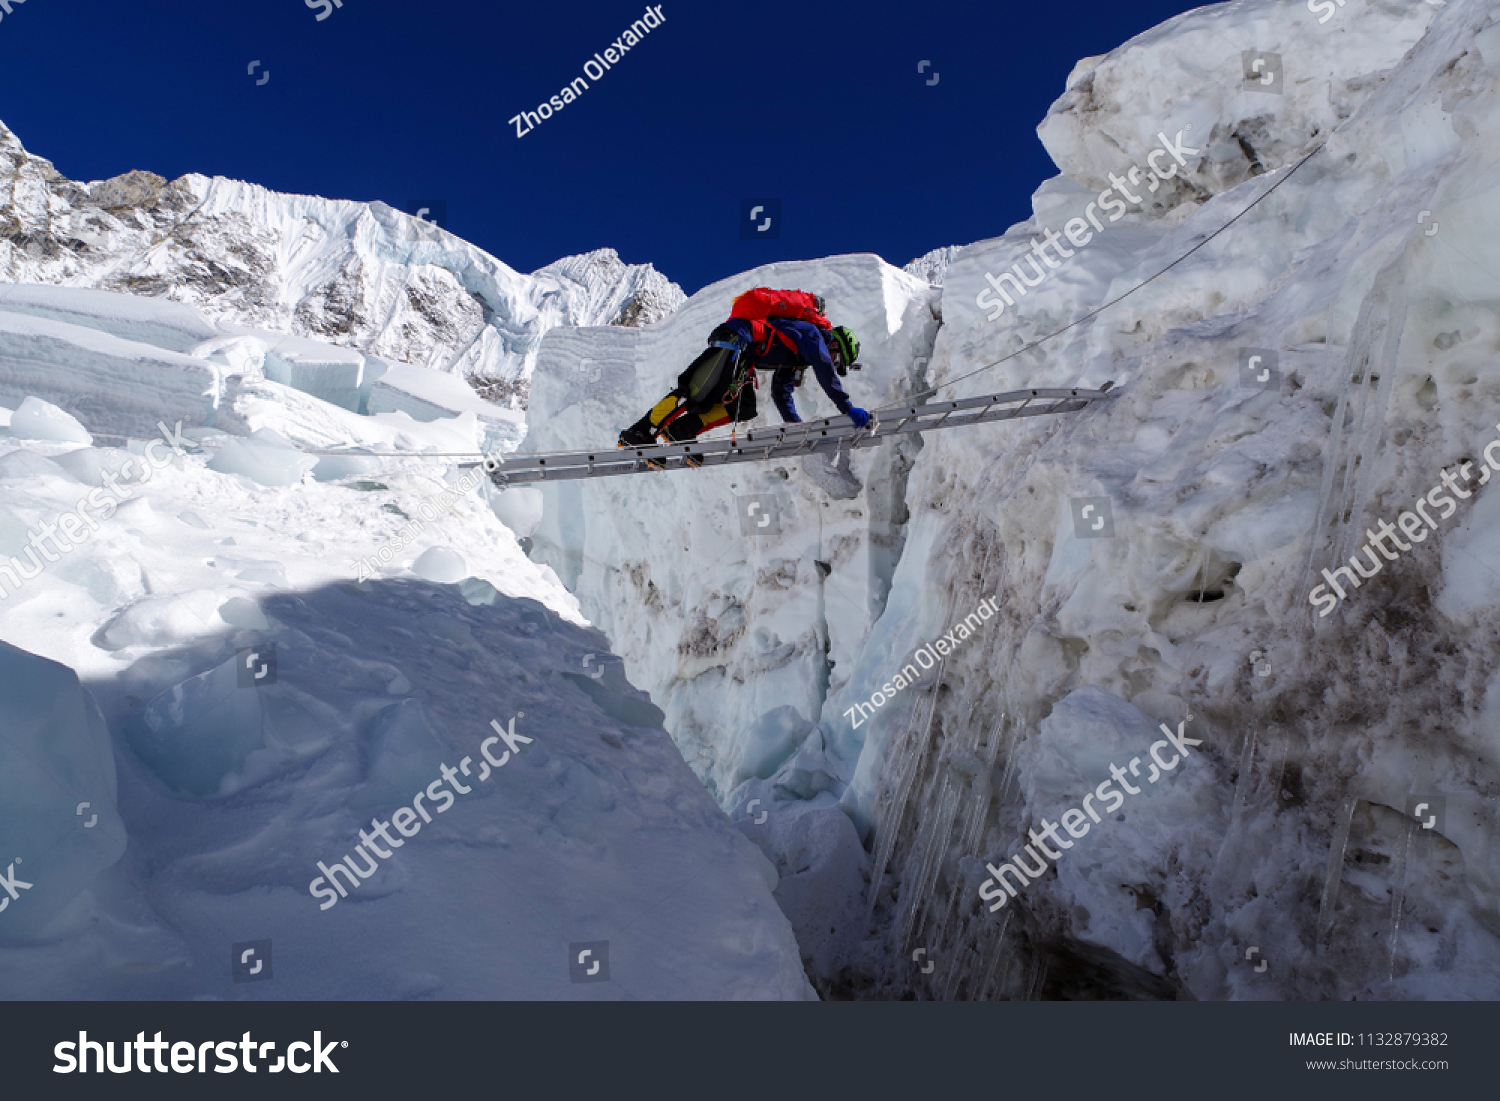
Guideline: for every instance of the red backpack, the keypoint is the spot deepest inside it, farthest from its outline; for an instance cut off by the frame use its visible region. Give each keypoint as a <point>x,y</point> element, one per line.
<point>760,304</point>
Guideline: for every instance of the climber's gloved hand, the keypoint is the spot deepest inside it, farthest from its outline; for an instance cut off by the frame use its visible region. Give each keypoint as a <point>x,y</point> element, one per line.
<point>859,416</point>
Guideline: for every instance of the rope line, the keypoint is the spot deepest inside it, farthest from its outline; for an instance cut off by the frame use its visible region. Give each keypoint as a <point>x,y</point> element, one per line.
<point>1095,313</point>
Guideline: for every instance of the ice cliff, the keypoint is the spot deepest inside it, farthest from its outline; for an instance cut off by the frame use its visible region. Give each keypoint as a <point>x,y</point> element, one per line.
<point>1283,860</point>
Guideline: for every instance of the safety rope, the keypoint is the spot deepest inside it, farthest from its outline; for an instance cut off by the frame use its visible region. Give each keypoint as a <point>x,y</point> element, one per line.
<point>1095,313</point>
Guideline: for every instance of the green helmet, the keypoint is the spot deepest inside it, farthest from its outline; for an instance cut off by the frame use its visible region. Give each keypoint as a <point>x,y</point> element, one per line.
<point>846,342</point>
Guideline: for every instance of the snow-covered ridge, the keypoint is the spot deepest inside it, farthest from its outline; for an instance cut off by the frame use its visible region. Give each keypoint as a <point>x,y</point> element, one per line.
<point>359,275</point>
<point>931,266</point>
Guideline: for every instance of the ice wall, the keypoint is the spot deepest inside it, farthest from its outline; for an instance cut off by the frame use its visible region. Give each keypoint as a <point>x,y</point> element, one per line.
<point>738,620</point>
<point>122,364</point>
<point>1227,498</point>
<point>1228,491</point>
<point>60,826</point>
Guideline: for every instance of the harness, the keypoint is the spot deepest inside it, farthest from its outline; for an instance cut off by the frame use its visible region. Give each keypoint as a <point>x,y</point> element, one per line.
<point>742,366</point>
<point>762,333</point>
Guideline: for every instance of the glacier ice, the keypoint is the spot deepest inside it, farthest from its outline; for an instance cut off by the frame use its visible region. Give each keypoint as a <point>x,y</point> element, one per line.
<point>111,384</point>
<point>59,824</point>
<point>334,468</point>
<point>519,508</point>
<point>233,790</point>
<point>265,457</point>
<point>214,735</point>
<point>821,877</point>
<point>160,324</point>
<point>404,753</point>
<point>767,742</point>
<point>1227,500</point>
<point>36,419</point>
<point>89,465</point>
<point>440,564</point>
<point>1290,830</point>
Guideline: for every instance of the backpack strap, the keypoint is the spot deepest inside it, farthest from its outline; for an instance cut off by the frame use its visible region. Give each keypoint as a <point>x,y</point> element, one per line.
<point>763,332</point>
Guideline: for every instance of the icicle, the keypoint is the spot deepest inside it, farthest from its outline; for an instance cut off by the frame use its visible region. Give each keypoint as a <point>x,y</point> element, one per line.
<point>935,833</point>
<point>987,988</point>
<point>1392,326</point>
<point>1038,980</point>
<point>914,882</point>
<point>1335,873</point>
<point>1350,459</point>
<point>1398,896</point>
<point>1242,784</point>
<point>888,828</point>
<point>954,949</point>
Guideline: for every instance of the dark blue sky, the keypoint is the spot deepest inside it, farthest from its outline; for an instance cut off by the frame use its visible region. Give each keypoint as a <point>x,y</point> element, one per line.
<point>817,104</point>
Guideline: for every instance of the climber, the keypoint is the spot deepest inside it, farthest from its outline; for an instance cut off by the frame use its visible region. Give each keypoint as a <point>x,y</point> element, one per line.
<point>784,331</point>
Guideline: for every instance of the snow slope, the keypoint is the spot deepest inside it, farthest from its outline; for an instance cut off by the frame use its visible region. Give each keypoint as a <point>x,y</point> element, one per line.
<point>168,791</point>
<point>1292,831</point>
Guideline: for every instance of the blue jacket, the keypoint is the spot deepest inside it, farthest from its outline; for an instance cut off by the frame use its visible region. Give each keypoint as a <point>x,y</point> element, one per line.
<point>812,351</point>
